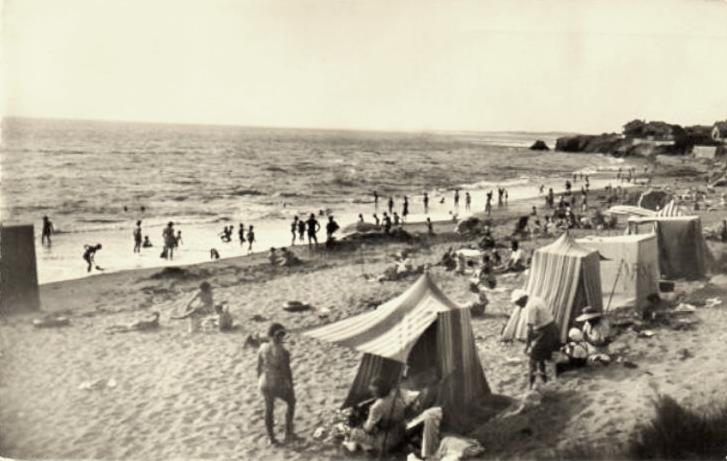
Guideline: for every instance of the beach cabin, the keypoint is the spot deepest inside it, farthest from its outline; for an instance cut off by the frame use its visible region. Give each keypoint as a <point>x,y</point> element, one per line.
<point>704,152</point>
<point>566,275</point>
<point>683,253</point>
<point>18,271</point>
<point>629,268</point>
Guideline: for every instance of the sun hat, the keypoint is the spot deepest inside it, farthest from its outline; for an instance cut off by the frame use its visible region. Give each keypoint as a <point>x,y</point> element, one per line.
<point>517,295</point>
<point>588,314</point>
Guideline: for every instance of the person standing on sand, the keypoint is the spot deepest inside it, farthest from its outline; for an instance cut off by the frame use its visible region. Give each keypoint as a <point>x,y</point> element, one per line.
<point>250,238</point>
<point>241,234</point>
<point>391,204</point>
<point>488,203</point>
<point>467,201</point>
<point>331,229</point>
<point>89,254</point>
<point>360,218</point>
<point>313,227</point>
<point>405,209</point>
<point>543,337</point>
<point>456,198</point>
<point>275,381</point>
<point>48,230</point>
<point>426,203</point>
<point>294,229</point>
<point>137,237</point>
<point>301,230</point>
<point>387,224</point>
<point>430,227</point>
<point>170,241</point>
<point>376,220</point>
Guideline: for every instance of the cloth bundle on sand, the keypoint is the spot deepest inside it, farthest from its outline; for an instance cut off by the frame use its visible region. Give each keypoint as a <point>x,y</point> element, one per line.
<point>654,199</point>
<point>359,227</point>
<point>296,306</point>
<point>566,275</point>
<point>51,321</point>
<point>470,225</point>
<point>683,253</point>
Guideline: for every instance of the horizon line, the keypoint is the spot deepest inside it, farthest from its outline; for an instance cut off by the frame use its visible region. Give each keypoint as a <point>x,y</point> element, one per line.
<point>433,131</point>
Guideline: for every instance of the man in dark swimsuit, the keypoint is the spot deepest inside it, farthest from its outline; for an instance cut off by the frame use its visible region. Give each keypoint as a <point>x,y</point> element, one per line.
<point>331,229</point>
<point>137,237</point>
<point>47,231</point>
<point>426,203</point>
<point>294,229</point>
<point>313,227</point>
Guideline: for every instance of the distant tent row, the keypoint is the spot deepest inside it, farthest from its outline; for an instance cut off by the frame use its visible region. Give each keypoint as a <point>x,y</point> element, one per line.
<point>420,328</point>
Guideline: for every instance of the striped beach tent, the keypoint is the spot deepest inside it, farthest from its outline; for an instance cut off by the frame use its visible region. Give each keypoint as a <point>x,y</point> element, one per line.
<point>670,209</point>
<point>422,329</point>
<point>566,275</point>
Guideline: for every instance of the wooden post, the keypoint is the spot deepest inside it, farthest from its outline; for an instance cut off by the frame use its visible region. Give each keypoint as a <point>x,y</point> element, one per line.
<point>18,271</point>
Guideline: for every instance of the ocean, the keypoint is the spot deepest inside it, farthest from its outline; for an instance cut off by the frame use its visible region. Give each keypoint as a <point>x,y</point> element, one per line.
<point>95,179</point>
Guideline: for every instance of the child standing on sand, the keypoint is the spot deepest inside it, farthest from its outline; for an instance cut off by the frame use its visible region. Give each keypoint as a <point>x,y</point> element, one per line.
<point>250,238</point>
<point>137,237</point>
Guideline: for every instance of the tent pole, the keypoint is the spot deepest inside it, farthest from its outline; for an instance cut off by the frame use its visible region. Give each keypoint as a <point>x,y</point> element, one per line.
<point>615,281</point>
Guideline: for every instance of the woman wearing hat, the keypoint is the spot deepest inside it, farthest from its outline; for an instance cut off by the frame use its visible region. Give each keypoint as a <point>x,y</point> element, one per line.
<point>275,381</point>
<point>596,332</point>
<point>542,339</point>
<point>515,326</point>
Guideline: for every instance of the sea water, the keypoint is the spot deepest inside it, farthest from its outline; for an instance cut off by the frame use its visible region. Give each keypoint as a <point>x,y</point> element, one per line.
<point>95,179</point>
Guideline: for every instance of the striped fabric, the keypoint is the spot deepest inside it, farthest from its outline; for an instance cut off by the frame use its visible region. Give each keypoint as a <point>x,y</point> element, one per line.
<point>388,335</point>
<point>670,209</point>
<point>567,276</point>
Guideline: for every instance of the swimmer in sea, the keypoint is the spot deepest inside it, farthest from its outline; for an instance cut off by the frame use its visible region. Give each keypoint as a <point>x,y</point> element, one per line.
<point>426,203</point>
<point>456,198</point>
<point>467,201</point>
<point>405,209</point>
<point>376,200</point>
<point>391,204</point>
<point>179,238</point>
<point>147,242</point>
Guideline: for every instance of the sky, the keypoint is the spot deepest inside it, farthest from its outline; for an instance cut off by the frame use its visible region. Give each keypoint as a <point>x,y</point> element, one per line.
<point>489,65</point>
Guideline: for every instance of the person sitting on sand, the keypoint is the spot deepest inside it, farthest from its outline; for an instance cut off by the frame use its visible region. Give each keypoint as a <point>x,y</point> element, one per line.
<point>487,242</point>
<point>139,325</point>
<point>543,337</point>
<point>275,381</point>
<point>224,318</point>
<point>384,427</point>
<point>461,264</point>
<point>478,305</point>
<point>448,259</point>
<point>89,254</point>
<point>214,254</point>
<point>288,258</point>
<point>597,334</point>
<point>201,304</point>
<point>575,352</point>
<point>147,242</point>
<point>516,261</point>
<point>273,257</point>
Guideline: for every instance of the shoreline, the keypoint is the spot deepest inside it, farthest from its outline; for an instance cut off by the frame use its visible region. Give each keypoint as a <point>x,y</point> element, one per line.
<point>63,262</point>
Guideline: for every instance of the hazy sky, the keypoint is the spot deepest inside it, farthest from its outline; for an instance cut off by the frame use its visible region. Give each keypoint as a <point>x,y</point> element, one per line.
<point>572,65</point>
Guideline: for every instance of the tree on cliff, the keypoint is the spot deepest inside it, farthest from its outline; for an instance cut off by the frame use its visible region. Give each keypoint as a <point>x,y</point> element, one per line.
<point>635,128</point>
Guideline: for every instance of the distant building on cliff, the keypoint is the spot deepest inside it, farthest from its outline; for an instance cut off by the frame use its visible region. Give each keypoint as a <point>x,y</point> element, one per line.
<point>719,132</point>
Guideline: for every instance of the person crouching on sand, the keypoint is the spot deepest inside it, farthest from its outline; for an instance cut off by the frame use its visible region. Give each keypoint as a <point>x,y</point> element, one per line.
<point>201,304</point>
<point>275,381</point>
<point>543,337</point>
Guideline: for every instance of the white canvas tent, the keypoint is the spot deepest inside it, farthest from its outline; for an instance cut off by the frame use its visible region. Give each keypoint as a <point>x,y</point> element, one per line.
<point>629,270</point>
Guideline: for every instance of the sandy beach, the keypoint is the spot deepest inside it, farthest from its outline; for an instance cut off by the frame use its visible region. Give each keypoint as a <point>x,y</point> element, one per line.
<point>168,394</point>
